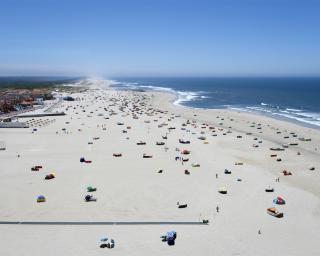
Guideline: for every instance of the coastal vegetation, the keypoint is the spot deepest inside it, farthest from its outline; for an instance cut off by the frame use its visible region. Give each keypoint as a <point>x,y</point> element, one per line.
<point>18,93</point>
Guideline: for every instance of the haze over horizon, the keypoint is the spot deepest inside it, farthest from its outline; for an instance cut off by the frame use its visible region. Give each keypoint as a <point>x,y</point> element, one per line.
<point>163,38</point>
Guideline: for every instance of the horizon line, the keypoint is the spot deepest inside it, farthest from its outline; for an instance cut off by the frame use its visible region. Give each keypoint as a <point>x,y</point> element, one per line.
<point>157,76</point>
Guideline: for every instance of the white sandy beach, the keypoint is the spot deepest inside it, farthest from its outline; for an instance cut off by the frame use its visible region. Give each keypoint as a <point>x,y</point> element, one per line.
<point>129,188</point>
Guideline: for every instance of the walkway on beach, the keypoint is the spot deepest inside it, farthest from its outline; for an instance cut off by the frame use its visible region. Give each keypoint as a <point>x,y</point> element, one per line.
<point>88,223</point>
<point>53,106</point>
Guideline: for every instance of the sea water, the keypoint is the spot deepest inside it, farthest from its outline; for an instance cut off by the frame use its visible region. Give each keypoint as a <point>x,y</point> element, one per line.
<point>292,99</point>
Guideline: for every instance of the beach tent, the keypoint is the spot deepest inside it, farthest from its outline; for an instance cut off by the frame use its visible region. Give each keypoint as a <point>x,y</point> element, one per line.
<point>279,200</point>
<point>68,98</point>
<point>286,173</point>
<point>171,237</point>
<point>274,212</point>
<point>90,198</point>
<point>41,199</point>
<point>172,234</point>
<point>50,176</point>
<point>222,190</point>
<point>91,189</point>
<point>2,145</point>
<point>184,141</point>
<point>269,189</point>
<point>185,152</point>
<point>226,171</point>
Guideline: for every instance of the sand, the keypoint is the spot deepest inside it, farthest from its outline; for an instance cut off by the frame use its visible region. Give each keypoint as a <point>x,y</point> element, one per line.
<point>129,188</point>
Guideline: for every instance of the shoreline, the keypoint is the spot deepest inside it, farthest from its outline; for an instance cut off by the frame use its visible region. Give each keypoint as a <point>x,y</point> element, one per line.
<point>165,101</point>
<point>301,112</point>
<point>259,113</point>
<point>171,98</point>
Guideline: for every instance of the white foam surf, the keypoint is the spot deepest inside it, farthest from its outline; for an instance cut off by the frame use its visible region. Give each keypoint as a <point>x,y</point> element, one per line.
<point>301,116</point>
<point>182,97</point>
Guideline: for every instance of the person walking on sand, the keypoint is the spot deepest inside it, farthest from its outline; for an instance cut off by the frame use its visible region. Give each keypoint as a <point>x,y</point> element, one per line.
<point>217,208</point>
<point>216,175</point>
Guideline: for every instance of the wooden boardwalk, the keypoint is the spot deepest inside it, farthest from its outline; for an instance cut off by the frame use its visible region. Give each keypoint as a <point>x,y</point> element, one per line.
<point>97,223</point>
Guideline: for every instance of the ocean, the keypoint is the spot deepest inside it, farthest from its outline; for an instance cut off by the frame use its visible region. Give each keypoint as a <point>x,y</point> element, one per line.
<point>292,99</point>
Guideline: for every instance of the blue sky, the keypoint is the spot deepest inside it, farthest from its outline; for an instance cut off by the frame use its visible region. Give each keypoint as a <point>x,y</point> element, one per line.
<point>160,38</point>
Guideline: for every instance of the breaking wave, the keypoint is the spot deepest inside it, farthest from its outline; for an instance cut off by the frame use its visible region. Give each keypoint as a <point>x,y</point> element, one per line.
<point>287,113</point>
<point>212,98</point>
<point>182,97</point>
